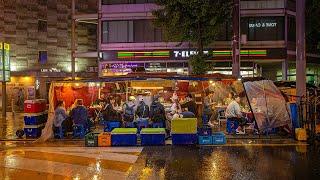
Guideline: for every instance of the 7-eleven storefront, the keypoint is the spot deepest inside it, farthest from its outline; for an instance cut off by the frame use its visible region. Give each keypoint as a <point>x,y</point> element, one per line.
<point>123,62</point>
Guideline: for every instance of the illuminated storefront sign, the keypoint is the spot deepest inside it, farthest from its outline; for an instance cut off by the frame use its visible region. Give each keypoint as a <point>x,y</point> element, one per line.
<point>184,54</point>
<point>4,62</point>
<point>216,53</point>
<point>263,25</point>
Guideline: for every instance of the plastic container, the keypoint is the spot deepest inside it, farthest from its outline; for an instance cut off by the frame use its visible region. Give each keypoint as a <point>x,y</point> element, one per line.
<point>301,134</point>
<point>184,139</point>
<point>33,120</point>
<point>110,125</point>
<point>104,139</point>
<point>294,115</point>
<point>35,106</point>
<point>153,136</point>
<point>218,138</point>
<point>184,126</point>
<point>124,137</point>
<point>33,131</point>
<point>205,140</point>
<point>91,140</point>
<point>78,131</point>
<point>232,126</point>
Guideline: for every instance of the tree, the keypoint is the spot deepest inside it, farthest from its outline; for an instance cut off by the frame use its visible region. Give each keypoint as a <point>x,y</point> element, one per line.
<point>196,21</point>
<point>313,25</point>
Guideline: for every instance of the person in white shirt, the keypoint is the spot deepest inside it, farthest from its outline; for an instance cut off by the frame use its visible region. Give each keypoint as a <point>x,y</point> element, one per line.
<point>233,113</point>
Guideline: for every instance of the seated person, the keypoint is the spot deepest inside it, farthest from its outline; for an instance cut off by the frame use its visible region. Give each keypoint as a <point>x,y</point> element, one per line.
<point>128,110</point>
<point>79,114</point>
<point>109,113</point>
<point>233,113</point>
<point>190,104</point>
<point>142,111</point>
<point>157,111</point>
<point>187,114</point>
<point>60,115</point>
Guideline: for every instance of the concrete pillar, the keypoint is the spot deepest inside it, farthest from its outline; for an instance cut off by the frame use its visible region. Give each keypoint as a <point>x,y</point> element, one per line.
<point>236,39</point>
<point>73,40</point>
<point>99,34</point>
<point>300,49</point>
<point>285,70</point>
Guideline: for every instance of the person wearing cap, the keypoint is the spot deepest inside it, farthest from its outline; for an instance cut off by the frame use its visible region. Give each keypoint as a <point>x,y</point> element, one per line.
<point>190,105</point>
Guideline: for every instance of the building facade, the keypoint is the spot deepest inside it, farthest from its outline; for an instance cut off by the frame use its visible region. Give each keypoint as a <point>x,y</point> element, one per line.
<point>128,40</point>
<point>39,34</point>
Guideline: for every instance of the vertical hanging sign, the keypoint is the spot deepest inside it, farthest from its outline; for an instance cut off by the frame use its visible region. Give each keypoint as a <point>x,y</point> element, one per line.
<point>5,62</point>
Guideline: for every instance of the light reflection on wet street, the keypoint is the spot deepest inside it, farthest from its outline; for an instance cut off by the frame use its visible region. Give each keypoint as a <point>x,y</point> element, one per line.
<point>70,160</point>
<point>228,162</point>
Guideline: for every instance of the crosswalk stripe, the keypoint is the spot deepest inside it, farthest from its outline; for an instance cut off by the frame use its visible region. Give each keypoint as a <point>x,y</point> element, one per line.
<point>60,168</point>
<point>12,173</point>
<point>78,160</point>
<point>119,157</point>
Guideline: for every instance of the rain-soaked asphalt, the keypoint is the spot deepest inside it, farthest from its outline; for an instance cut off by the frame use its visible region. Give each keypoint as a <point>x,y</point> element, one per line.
<point>239,159</point>
<point>236,160</point>
<point>228,162</point>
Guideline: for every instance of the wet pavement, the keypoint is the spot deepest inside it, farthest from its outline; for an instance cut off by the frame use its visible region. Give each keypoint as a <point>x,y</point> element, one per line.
<point>239,159</point>
<point>10,124</point>
<point>228,162</point>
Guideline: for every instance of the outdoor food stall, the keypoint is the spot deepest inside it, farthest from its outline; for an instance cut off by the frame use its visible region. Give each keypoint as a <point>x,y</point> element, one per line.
<point>261,103</point>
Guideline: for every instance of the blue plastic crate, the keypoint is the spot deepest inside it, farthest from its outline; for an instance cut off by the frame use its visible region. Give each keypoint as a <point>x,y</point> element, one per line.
<point>110,125</point>
<point>33,132</point>
<point>218,138</point>
<point>152,139</point>
<point>33,120</point>
<point>123,139</point>
<point>184,139</point>
<point>205,140</point>
<point>232,126</point>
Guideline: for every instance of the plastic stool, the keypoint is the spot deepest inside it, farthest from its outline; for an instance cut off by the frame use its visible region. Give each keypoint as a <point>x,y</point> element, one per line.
<point>58,132</point>
<point>129,124</point>
<point>232,126</point>
<point>142,124</point>
<point>110,125</point>
<point>78,131</point>
<point>158,125</point>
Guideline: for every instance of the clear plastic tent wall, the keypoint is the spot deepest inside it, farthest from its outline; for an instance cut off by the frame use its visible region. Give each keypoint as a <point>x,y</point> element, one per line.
<point>268,105</point>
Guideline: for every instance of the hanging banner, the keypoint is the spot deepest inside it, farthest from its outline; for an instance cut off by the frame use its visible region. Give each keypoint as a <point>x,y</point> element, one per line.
<point>5,62</point>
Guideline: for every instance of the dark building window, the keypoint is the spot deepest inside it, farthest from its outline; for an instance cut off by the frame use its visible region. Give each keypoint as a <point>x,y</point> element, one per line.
<point>109,2</point>
<point>291,29</point>
<point>130,31</point>
<point>43,57</point>
<point>225,32</point>
<point>42,25</point>
<point>263,28</point>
